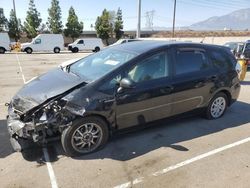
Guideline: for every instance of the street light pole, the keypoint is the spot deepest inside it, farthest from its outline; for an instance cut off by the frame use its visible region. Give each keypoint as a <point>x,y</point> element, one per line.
<point>138,33</point>
<point>174,19</point>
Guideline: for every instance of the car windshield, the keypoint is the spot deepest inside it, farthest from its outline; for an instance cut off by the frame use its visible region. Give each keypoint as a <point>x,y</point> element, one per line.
<point>99,64</point>
<point>76,41</point>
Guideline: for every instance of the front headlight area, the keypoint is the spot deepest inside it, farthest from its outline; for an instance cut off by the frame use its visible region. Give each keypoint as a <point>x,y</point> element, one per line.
<point>51,119</point>
<point>45,122</point>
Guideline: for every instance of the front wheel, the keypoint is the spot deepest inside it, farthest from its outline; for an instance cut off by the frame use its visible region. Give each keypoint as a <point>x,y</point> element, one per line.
<point>217,106</point>
<point>28,50</point>
<point>75,50</point>
<point>86,135</point>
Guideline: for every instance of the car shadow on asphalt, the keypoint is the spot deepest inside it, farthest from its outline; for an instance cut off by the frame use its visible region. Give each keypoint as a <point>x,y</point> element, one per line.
<point>168,133</point>
<point>34,153</point>
<point>5,146</point>
<point>164,133</point>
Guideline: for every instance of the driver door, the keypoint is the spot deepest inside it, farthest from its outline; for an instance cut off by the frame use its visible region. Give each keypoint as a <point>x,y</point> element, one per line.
<point>150,99</point>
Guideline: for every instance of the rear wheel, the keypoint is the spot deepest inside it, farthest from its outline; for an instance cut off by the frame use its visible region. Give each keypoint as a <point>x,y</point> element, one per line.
<point>217,106</point>
<point>97,49</point>
<point>2,50</point>
<point>86,135</point>
<point>56,50</point>
<point>28,50</point>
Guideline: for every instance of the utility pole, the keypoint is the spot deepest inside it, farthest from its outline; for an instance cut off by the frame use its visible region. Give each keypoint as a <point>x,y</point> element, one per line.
<point>14,8</point>
<point>138,33</point>
<point>174,19</point>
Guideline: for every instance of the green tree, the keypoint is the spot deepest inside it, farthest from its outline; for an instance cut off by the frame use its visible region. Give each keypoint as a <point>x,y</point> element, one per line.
<point>118,24</point>
<point>3,20</point>
<point>15,27</point>
<point>54,19</point>
<point>33,20</point>
<point>103,26</point>
<point>73,26</point>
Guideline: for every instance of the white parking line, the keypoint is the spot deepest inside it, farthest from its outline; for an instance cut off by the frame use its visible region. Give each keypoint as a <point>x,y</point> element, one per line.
<point>184,163</point>
<point>20,67</point>
<point>50,169</point>
<point>45,151</point>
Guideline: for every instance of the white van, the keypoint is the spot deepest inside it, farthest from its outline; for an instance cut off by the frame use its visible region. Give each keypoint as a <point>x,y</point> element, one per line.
<point>86,44</point>
<point>4,43</point>
<point>44,42</point>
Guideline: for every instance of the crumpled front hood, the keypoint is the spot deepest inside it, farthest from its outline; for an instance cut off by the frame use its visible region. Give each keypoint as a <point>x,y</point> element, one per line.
<point>44,87</point>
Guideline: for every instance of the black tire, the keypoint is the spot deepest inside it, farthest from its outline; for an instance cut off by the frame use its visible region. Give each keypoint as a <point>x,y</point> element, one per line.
<point>68,140</point>
<point>56,50</point>
<point>28,50</point>
<point>209,113</point>
<point>97,49</point>
<point>2,50</point>
<point>75,50</point>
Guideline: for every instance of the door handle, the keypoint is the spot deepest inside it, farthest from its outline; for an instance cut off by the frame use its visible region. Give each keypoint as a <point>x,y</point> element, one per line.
<point>213,78</point>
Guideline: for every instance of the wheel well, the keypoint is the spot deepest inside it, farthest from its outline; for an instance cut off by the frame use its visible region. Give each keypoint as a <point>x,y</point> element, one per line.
<point>103,118</point>
<point>27,48</point>
<point>229,97</point>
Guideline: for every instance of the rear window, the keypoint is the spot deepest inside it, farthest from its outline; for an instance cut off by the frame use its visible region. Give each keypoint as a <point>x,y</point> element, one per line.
<point>222,59</point>
<point>188,61</point>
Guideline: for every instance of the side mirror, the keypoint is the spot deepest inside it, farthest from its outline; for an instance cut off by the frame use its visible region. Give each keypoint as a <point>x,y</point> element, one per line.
<point>126,83</point>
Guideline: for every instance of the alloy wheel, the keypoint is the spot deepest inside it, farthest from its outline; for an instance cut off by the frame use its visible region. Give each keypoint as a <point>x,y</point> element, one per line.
<point>87,137</point>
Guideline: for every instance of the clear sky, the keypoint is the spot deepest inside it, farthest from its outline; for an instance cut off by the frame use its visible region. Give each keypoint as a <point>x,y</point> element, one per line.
<point>188,11</point>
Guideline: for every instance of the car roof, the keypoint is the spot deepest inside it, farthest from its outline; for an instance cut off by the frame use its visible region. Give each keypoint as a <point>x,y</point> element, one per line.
<point>140,47</point>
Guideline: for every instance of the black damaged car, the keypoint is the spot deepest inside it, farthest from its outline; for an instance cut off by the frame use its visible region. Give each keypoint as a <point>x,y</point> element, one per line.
<point>120,87</point>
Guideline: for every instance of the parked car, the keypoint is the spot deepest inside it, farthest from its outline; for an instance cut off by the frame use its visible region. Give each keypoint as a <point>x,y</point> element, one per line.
<point>44,42</point>
<point>86,44</point>
<point>239,49</point>
<point>121,87</point>
<point>4,43</point>
<point>123,41</point>
<point>232,46</point>
<point>246,50</point>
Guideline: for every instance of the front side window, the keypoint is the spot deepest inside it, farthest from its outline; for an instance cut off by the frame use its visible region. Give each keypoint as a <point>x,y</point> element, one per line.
<point>189,61</point>
<point>149,69</point>
<point>38,41</point>
<point>80,42</point>
<point>99,64</point>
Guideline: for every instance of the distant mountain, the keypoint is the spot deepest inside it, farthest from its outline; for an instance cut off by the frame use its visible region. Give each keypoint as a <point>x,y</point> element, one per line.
<point>237,20</point>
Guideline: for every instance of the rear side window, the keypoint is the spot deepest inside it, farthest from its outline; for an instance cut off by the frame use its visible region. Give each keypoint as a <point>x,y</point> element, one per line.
<point>221,60</point>
<point>188,61</point>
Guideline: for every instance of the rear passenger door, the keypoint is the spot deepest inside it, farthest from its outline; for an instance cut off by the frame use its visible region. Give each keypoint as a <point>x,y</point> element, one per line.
<point>193,79</point>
